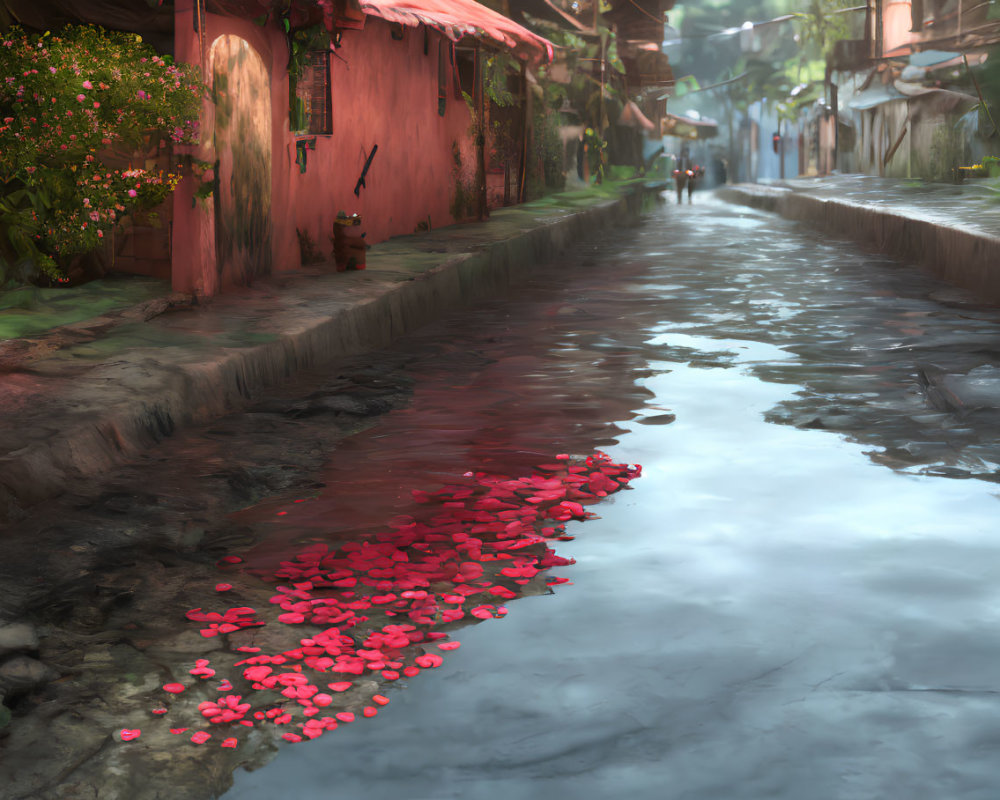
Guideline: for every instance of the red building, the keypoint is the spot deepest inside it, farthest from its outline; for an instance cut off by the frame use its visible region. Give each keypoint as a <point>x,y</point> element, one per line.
<point>316,107</point>
<point>378,126</point>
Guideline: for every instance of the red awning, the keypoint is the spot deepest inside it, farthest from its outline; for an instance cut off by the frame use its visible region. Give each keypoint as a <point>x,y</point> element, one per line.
<point>458,18</point>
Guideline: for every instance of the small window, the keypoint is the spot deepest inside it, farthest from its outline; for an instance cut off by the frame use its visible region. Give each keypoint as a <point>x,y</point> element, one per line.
<point>465,72</point>
<point>311,107</point>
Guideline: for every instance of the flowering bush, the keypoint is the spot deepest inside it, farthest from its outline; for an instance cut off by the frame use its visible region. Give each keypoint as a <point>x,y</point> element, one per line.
<point>69,103</point>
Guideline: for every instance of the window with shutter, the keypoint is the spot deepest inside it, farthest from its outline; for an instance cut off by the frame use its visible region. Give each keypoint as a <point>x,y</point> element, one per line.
<point>312,107</point>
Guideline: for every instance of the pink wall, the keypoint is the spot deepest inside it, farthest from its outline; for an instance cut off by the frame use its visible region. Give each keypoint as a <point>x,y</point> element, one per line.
<point>896,23</point>
<point>385,93</point>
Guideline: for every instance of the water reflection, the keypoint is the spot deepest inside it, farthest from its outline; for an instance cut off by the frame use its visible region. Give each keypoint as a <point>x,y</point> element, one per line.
<point>364,612</point>
<point>758,619</point>
<point>763,617</point>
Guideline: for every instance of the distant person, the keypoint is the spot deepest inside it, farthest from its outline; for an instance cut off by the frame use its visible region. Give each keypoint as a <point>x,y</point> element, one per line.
<point>719,167</point>
<point>686,173</point>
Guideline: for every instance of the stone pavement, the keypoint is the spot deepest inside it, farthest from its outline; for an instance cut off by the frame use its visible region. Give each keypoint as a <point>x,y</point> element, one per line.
<point>85,396</point>
<point>952,230</point>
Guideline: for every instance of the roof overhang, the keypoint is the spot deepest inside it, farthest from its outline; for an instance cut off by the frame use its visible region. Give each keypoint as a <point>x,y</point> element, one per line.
<point>459,18</point>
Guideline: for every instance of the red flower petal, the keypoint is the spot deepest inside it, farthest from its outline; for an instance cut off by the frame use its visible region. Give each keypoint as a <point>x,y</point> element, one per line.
<point>173,688</point>
<point>381,699</point>
<point>340,686</point>
<point>449,645</point>
<point>344,716</point>
<point>256,673</point>
<point>200,737</point>
<point>128,734</point>
<point>291,737</point>
<point>230,742</point>
<point>176,731</point>
<point>369,711</point>
<point>223,587</point>
<point>159,711</point>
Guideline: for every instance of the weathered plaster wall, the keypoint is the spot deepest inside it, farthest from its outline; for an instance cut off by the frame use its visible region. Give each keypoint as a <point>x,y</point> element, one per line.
<point>385,92</point>
<point>195,267</point>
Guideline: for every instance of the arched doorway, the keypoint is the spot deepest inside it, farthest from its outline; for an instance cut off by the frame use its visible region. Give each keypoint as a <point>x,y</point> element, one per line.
<point>242,138</point>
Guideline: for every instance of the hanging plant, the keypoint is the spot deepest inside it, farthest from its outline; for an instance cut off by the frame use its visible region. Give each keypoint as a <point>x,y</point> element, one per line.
<point>496,70</point>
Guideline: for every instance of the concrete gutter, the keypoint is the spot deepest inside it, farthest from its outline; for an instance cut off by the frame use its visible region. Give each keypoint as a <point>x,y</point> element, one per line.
<point>964,255</point>
<point>82,409</point>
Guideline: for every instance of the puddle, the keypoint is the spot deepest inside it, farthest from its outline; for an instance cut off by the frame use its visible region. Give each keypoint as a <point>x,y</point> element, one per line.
<point>795,600</point>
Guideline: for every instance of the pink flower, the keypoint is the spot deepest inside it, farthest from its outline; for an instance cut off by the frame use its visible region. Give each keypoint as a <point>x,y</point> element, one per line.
<point>81,97</point>
<point>88,85</point>
<point>131,193</point>
<point>96,104</point>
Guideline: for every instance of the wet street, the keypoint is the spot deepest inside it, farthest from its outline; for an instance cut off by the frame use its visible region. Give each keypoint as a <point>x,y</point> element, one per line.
<point>798,597</point>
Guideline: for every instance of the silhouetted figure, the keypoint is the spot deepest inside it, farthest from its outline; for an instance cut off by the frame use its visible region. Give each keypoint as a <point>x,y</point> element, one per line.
<point>686,173</point>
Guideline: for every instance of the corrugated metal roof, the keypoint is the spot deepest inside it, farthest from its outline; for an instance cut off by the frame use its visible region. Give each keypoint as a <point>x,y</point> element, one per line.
<point>874,96</point>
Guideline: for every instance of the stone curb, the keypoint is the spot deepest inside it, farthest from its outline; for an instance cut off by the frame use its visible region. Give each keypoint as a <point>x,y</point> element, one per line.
<point>83,423</point>
<point>962,256</point>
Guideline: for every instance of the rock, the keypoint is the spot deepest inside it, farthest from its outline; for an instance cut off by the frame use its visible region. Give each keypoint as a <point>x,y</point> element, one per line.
<point>977,389</point>
<point>657,419</point>
<point>16,637</point>
<point>22,674</point>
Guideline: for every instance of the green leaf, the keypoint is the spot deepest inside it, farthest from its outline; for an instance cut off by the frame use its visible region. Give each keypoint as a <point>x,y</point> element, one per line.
<point>14,198</point>
<point>686,85</point>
